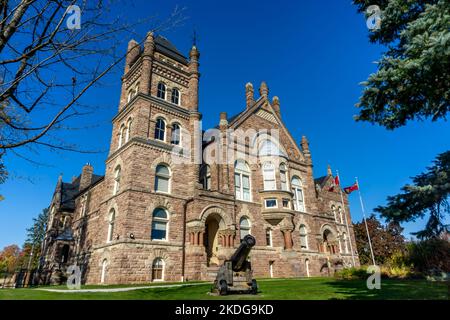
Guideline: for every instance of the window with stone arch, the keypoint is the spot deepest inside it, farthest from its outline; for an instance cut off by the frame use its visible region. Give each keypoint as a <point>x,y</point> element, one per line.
<point>303,237</point>
<point>341,217</point>
<point>160,224</point>
<point>205,177</point>
<point>284,177</point>
<point>176,96</point>
<point>176,134</point>
<point>111,223</point>
<point>162,178</point>
<point>103,271</point>
<point>158,269</point>
<point>128,132</point>
<point>160,129</point>
<point>117,174</point>
<point>121,136</point>
<point>269,176</point>
<point>161,91</point>
<point>244,227</point>
<point>242,180</point>
<point>297,190</point>
<point>345,239</point>
<point>333,210</point>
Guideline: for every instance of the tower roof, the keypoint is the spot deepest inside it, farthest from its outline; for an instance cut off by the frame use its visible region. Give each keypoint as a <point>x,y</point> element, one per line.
<point>165,47</point>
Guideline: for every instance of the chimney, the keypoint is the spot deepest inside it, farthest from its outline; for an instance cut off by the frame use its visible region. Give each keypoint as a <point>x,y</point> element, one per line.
<point>133,52</point>
<point>194,56</point>
<point>276,105</point>
<point>86,176</point>
<point>249,95</point>
<point>223,124</point>
<point>305,147</point>
<point>264,90</point>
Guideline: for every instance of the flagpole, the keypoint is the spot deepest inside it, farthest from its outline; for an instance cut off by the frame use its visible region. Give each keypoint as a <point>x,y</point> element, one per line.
<point>365,221</point>
<point>346,221</point>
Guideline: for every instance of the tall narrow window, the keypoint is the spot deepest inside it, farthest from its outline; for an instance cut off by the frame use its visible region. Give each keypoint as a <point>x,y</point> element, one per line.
<point>303,237</point>
<point>158,269</point>
<point>244,227</point>
<point>242,180</point>
<point>176,134</point>
<point>65,253</point>
<point>162,178</point>
<point>128,132</point>
<point>344,236</point>
<point>116,180</point>
<point>283,177</point>
<point>159,224</point>
<point>269,176</point>
<point>341,218</point>
<point>161,91</point>
<point>297,190</point>
<point>160,129</point>
<point>112,219</point>
<point>205,177</point>
<point>103,274</point>
<point>333,210</point>
<point>175,96</point>
<point>121,135</point>
<point>269,237</point>
<point>307,267</point>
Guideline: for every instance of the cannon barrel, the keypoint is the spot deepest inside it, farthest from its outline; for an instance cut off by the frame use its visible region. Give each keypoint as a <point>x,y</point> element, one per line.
<point>239,258</point>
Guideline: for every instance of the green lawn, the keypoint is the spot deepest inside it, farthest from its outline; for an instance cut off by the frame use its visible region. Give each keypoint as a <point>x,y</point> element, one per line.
<point>303,289</point>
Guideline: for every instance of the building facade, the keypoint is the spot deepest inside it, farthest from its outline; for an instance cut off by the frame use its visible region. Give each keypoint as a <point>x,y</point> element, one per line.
<point>175,201</point>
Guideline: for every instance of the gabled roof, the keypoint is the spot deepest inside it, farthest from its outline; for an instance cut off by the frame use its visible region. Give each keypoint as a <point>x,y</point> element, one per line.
<point>165,47</point>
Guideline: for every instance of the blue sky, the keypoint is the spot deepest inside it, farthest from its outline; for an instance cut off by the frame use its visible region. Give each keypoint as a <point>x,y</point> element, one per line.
<point>312,54</point>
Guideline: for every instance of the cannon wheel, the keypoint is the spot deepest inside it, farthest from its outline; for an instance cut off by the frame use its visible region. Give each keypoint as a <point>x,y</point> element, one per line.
<point>254,287</point>
<point>223,288</point>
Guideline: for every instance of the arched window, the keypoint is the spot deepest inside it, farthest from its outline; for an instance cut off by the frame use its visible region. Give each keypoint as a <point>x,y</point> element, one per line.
<point>269,237</point>
<point>112,219</point>
<point>344,237</point>
<point>283,177</point>
<point>244,227</point>
<point>176,134</point>
<point>159,224</point>
<point>161,91</point>
<point>103,274</point>
<point>121,134</point>
<point>341,218</point>
<point>205,177</point>
<point>242,180</point>
<point>333,210</point>
<point>162,178</point>
<point>307,267</point>
<point>303,237</point>
<point>270,148</point>
<point>269,176</point>
<point>158,269</point>
<point>128,132</point>
<point>160,129</point>
<point>175,96</point>
<point>116,180</point>
<point>299,204</point>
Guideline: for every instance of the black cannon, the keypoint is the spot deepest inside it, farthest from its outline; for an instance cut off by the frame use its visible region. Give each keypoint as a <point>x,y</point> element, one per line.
<point>235,275</point>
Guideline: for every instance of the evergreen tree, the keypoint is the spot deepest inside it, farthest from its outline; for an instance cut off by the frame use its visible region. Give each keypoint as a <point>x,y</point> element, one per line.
<point>413,76</point>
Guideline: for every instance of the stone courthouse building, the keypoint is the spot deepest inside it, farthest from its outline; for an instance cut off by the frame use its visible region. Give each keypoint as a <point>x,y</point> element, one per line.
<point>175,201</point>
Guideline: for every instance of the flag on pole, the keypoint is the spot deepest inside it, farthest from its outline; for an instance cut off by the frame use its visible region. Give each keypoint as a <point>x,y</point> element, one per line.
<point>352,188</point>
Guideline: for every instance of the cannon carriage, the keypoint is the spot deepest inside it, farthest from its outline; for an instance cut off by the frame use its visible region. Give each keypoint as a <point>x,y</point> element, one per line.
<point>235,275</point>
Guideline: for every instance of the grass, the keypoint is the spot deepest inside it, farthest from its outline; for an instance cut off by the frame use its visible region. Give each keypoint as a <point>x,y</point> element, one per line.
<point>279,289</point>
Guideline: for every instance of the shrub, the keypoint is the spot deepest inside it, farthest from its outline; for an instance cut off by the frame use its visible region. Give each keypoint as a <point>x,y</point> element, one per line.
<point>351,273</point>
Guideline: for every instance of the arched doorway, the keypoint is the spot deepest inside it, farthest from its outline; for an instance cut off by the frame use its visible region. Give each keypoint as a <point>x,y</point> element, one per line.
<point>328,241</point>
<point>212,226</point>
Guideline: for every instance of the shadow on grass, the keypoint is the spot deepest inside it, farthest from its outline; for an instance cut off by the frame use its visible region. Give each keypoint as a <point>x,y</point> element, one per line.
<point>392,290</point>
